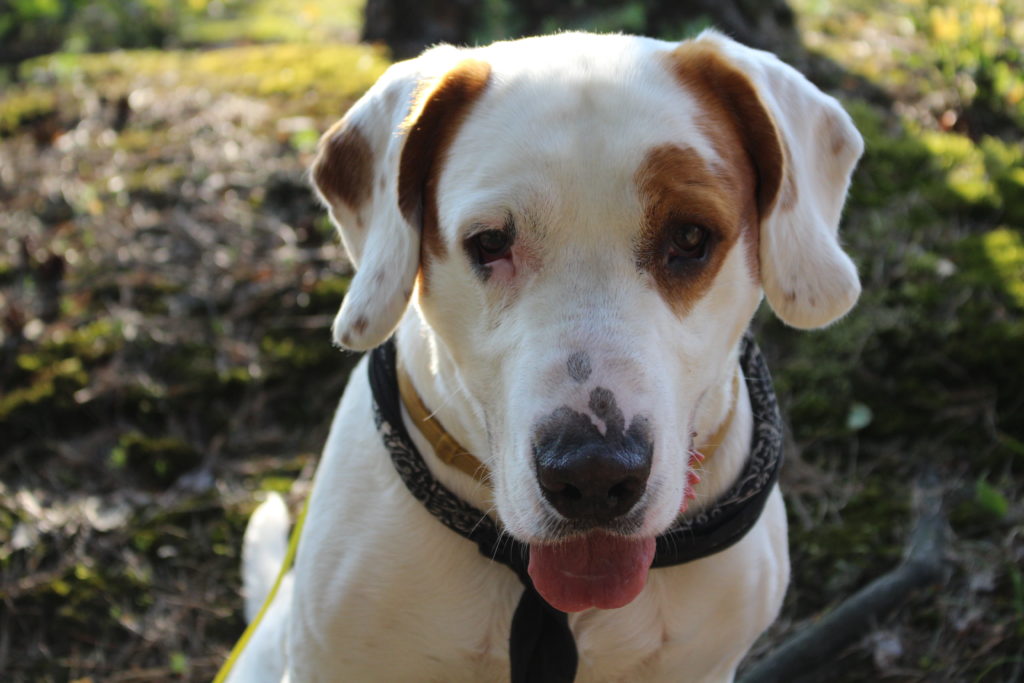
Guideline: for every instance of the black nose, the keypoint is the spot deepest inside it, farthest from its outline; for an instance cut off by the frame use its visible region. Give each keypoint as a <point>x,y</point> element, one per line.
<point>586,475</point>
<point>594,483</point>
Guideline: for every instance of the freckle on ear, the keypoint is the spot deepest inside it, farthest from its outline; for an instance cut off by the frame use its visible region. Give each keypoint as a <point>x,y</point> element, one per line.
<point>360,324</point>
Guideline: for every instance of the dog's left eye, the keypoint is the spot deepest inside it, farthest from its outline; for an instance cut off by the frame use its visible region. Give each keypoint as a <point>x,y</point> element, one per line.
<point>490,245</point>
<point>688,242</point>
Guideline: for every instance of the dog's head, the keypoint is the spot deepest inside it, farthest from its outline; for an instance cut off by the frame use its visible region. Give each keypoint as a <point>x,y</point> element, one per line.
<point>589,223</point>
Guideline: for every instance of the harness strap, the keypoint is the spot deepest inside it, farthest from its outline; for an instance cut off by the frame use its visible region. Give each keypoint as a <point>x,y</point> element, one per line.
<point>541,645</point>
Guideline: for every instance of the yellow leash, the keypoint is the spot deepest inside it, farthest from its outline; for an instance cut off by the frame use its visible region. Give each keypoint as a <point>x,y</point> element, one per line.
<point>286,565</point>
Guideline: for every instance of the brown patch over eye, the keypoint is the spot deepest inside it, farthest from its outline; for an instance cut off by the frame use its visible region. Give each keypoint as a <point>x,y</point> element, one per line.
<point>692,217</point>
<point>432,125</point>
<point>343,170</point>
<point>742,131</point>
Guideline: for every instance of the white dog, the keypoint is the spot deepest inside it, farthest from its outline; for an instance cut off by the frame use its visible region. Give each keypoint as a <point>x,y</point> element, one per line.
<point>568,237</point>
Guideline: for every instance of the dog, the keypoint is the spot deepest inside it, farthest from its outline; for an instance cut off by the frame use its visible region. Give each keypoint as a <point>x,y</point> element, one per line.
<point>568,237</point>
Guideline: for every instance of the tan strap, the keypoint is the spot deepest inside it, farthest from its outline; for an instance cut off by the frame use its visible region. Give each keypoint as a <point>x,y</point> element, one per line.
<point>447,448</point>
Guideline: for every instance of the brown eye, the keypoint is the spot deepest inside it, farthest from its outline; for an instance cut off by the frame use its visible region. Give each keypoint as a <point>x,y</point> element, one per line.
<point>688,242</point>
<point>490,245</point>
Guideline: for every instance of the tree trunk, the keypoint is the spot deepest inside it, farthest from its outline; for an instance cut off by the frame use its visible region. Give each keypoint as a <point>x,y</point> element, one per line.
<point>408,26</point>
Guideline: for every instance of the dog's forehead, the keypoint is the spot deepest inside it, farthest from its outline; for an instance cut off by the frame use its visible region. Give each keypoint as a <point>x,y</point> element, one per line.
<point>570,117</point>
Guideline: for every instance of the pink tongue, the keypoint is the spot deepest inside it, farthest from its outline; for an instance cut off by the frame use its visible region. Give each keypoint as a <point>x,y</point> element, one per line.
<point>596,570</point>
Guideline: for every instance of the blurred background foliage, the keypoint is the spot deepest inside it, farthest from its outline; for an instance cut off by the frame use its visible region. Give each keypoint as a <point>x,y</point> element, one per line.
<point>167,283</point>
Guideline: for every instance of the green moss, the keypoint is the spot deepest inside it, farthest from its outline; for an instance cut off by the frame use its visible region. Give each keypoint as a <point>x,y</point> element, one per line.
<point>40,394</point>
<point>344,70</point>
<point>277,20</point>
<point>332,74</point>
<point>977,508</point>
<point>966,52</point>
<point>294,353</point>
<point>22,105</point>
<point>852,546</point>
<point>7,271</point>
<point>50,386</point>
<point>138,139</point>
<point>91,342</point>
<point>277,483</point>
<point>157,183</point>
<point>158,461</point>
<point>1005,250</point>
<point>964,165</point>
<point>941,306</point>
<point>327,293</point>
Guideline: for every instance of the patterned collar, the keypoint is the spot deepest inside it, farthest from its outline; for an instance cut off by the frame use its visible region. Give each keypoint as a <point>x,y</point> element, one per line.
<point>541,646</point>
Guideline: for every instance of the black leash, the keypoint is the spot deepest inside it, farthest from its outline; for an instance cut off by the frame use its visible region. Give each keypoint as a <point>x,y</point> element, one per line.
<point>541,645</point>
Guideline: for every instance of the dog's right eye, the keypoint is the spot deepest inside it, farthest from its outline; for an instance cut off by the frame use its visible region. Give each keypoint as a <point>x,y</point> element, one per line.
<point>490,245</point>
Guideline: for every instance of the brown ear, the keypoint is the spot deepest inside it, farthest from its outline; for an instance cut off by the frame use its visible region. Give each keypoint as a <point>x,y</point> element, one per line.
<point>343,169</point>
<point>729,98</point>
<point>396,129</point>
<point>803,147</point>
<point>432,126</point>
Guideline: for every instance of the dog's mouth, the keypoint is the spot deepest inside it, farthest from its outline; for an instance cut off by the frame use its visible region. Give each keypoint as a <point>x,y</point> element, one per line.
<point>596,569</point>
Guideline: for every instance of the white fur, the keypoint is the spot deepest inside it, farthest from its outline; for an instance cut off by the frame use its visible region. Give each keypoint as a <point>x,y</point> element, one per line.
<point>382,590</point>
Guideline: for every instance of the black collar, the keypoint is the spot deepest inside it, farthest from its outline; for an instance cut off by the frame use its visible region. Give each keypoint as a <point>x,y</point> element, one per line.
<point>541,646</point>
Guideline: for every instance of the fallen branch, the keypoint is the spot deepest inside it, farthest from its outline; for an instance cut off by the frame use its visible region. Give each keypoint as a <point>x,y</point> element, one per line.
<point>821,643</point>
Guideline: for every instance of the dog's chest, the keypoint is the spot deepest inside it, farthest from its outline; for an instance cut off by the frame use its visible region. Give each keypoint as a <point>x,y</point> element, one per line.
<point>651,640</point>
<point>458,630</point>
<point>442,612</point>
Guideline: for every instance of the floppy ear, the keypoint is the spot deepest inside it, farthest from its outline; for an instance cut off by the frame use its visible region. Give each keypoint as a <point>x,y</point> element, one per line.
<point>804,147</point>
<point>376,173</point>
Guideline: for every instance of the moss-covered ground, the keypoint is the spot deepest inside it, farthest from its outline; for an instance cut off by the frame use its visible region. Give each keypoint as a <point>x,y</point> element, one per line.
<point>167,283</point>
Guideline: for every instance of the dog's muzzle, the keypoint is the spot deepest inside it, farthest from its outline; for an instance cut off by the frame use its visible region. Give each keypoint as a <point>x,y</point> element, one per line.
<point>590,477</point>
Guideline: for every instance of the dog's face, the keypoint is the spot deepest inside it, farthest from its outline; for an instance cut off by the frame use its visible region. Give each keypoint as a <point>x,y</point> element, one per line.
<point>590,222</point>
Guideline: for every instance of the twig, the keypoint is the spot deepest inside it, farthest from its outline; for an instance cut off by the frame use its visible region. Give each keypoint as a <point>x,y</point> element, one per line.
<point>820,643</point>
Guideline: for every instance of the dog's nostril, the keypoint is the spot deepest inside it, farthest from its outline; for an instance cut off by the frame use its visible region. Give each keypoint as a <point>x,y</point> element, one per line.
<point>622,490</point>
<point>552,486</point>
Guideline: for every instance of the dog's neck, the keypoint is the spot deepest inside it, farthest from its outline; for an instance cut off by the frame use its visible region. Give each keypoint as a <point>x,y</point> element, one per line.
<point>434,377</point>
